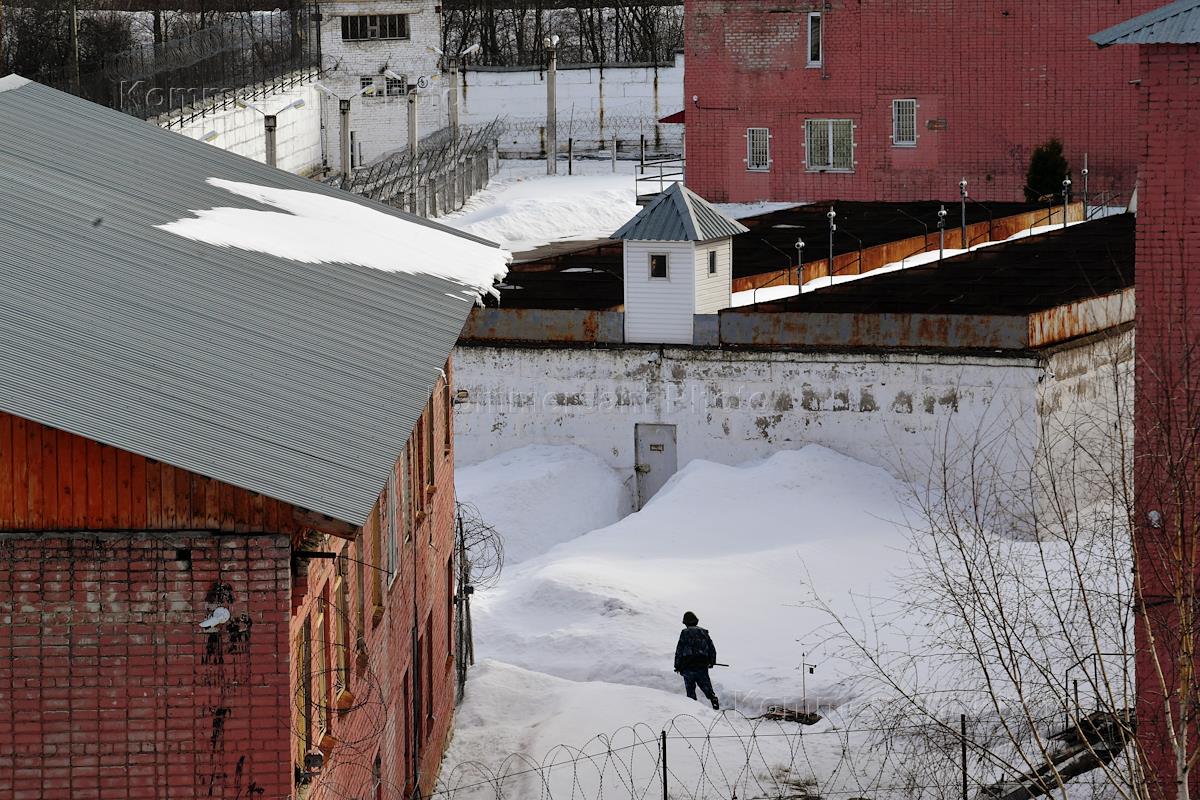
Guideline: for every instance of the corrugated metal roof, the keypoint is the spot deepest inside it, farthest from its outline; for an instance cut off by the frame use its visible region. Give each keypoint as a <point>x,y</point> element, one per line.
<point>1177,23</point>
<point>679,215</point>
<point>299,381</point>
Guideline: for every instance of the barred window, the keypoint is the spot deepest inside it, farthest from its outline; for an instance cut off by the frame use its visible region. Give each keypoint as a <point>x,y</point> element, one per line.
<point>397,88</point>
<point>366,82</point>
<point>374,26</point>
<point>904,123</point>
<point>829,144</point>
<point>758,149</point>
<point>815,54</point>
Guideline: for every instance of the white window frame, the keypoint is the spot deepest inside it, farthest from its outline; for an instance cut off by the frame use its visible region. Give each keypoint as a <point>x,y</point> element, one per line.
<point>898,104</point>
<point>829,164</point>
<point>758,139</point>
<point>712,262</point>
<point>650,266</point>
<point>820,59</point>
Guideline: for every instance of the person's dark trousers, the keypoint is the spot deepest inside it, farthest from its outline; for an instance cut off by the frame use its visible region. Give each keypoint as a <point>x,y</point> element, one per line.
<point>698,677</point>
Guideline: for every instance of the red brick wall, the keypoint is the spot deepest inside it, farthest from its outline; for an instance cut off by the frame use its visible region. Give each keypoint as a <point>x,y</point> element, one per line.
<point>1168,379</point>
<point>1004,77</point>
<point>108,687</point>
<point>378,719</point>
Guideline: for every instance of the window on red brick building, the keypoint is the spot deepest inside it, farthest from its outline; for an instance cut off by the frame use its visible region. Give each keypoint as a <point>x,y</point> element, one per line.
<point>450,606</point>
<point>829,144</point>
<point>815,42</point>
<point>341,594</point>
<point>758,149</point>
<point>395,503</point>
<point>904,123</point>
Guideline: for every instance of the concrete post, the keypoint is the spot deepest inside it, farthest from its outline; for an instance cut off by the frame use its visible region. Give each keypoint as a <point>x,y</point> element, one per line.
<point>552,112</point>
<point>344,111</point>
<point>454,99</point>
<point>269,131</point>
<point>413,140</point>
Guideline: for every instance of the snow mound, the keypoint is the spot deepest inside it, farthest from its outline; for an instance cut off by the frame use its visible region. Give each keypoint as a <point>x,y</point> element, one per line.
<point>523,210</point>
<point>743,547</point>
<point>538,496</point>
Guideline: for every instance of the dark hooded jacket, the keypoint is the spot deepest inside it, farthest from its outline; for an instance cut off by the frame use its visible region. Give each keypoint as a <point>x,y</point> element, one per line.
<point>695,649</point>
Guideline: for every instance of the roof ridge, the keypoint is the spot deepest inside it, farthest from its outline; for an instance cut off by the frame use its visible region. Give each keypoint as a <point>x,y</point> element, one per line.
<point>688,213</point>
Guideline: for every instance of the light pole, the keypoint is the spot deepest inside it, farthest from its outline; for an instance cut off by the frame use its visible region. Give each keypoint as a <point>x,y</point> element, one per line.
<point>831,216</point>
<point>270,123</point>
<point>344,112</point>
<point>454,68</point>
<point>551,44</point>
<point>941,233</point>
<point>1066,198</point>
<point>962,194</point>
<point>1084,172</point>
<point>799,261</point>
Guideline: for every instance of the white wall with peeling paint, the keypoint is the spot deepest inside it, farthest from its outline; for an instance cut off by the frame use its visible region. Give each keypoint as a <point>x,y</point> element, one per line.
<point>894,410</point>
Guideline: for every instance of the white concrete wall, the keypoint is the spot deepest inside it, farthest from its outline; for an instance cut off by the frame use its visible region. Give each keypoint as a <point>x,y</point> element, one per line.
<point>240,130</point>
<point>900,411</point>
<point>657,310</point>
<point>593,104</point>
<point>380,123</point>
<point>713,292</point>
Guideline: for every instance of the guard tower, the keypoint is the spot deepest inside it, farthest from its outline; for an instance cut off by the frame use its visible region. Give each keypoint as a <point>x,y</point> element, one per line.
<point>678,263</point>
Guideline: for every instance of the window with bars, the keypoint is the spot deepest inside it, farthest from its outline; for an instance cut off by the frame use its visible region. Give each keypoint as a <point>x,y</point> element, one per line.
<point>341,595</point>
<point>361,27</point>
<point>758,149</point>
<point>815,54</point>
<point>904,123</point>
<point>397,88</point>
<point>829,144</point>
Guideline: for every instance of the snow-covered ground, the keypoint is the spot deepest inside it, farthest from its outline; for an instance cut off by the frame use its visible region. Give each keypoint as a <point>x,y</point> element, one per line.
<point>523,208</point>
<point>578,640</point>
<point>575,643</point>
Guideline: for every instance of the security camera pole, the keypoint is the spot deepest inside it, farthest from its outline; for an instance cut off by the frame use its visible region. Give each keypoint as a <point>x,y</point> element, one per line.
<point>551,43</point>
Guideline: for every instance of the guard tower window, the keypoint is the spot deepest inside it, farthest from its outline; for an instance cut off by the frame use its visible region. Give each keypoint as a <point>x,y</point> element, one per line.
<point>712,262</point>
<point>361,27</point>
<point>658,266</point>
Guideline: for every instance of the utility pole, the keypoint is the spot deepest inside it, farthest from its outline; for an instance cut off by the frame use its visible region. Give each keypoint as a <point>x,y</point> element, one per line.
<point>551,44</point>
<point>269,128</point>
<point>941,234</point>
<point>831,216</point>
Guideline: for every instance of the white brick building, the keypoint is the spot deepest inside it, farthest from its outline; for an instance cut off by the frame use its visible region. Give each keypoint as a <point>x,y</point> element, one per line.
<point>359,40</point>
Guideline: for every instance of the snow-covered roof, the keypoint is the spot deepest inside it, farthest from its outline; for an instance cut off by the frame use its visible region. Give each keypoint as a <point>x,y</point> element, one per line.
<point>1176,23</point>
<point>166,297</point>
<point>679,215</point>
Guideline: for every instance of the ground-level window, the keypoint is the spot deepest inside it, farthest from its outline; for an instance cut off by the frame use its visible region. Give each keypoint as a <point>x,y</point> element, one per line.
<point>758,149</point>
<point>358,27</point>
<point>397,87</point>
<point>658,266</point>
<point>904,123</point>
<point>712,262</point>
<point>815,54</point>
<point>829,144</point>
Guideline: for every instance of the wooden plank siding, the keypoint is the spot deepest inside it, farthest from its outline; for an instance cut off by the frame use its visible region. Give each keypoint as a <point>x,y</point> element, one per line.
<point>51,480</point>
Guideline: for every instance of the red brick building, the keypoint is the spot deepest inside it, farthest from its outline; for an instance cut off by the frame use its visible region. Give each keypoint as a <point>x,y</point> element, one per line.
<point>1166,464</point>
<point>811,100</point>
<point>197,429</point>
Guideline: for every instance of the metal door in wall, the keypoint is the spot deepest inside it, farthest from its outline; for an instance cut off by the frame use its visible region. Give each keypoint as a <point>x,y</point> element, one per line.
<point>654,449</point>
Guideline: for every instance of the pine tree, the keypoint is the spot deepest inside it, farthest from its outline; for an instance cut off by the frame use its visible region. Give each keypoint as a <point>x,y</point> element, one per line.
<point>1047,168</point>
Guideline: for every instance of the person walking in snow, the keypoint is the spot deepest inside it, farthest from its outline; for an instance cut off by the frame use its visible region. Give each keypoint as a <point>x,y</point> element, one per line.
<point>695,655</point>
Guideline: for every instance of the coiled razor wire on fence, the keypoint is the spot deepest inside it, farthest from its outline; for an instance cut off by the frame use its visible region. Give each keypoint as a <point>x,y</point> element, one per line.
<point>734,757</point>
<point>395,177</point>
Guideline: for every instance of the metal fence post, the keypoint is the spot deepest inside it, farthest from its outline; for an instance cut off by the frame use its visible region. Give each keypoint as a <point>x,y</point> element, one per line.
<point>664,764</point>
<point>962,724</point>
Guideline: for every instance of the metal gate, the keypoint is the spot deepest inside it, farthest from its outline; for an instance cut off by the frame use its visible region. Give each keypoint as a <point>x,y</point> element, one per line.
<point>654,449</point>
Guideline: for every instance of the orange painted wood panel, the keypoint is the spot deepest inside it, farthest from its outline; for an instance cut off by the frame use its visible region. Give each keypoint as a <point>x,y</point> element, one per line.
<point>54,480</point>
